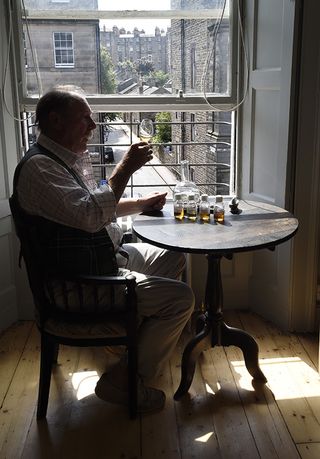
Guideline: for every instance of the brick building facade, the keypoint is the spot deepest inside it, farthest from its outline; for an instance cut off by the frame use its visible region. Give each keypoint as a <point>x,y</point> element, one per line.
<point>191,41</point>
<point>136,46</point>
<point>65,51</point>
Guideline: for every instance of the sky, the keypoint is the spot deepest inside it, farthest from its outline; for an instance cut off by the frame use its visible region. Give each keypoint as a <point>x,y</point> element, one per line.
<point>138,4</point>
<point>147,25</point>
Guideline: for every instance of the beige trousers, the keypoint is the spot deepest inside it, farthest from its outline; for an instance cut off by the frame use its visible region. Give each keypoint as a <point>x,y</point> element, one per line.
<point>165,304</point>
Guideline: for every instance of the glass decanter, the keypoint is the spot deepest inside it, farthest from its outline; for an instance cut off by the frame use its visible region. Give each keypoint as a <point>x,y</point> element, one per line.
<point>186,186</point>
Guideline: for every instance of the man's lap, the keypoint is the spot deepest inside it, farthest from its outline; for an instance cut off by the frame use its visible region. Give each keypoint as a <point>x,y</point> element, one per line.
<point>154,261</point>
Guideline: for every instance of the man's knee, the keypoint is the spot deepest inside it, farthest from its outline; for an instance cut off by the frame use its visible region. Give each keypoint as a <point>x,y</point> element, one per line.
<point>185,298</point>
<point>177,262</point>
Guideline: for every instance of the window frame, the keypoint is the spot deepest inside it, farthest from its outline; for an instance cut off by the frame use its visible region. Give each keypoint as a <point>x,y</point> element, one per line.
<point>24,41</point>
<point>118,102</point>
<point>193,67</point>
<point>192,127</point>
<point>55,49</point>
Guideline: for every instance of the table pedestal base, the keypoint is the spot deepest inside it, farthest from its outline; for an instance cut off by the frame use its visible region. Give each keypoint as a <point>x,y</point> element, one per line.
<point>212,331</point>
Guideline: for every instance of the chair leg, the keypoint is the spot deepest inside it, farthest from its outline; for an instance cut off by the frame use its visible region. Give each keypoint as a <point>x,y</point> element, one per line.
<point>132,380</point>
<point>55,352</point>
<point>48,355</point>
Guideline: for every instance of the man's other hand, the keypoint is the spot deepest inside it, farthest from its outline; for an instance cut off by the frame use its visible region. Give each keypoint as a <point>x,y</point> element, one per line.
<point>152,201</point>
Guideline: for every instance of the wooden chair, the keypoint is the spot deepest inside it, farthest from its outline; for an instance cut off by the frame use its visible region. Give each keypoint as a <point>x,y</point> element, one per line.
<point>71,310</point>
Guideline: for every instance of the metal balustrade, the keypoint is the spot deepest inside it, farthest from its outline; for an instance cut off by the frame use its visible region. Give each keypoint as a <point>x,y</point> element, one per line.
<point>178,151</point>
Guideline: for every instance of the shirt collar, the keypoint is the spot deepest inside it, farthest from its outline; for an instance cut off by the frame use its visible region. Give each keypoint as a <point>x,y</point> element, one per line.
<point>67,156</point>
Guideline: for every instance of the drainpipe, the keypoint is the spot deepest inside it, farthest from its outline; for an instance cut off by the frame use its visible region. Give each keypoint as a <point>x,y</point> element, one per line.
<point>183,85</point>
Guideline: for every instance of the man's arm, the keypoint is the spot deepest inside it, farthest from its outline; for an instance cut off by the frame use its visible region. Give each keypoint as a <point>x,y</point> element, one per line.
<point>152,201</point>
<point>137,155</point>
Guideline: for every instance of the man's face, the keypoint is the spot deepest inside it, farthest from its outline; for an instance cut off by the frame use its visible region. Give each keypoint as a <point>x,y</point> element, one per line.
<point>77,126</point>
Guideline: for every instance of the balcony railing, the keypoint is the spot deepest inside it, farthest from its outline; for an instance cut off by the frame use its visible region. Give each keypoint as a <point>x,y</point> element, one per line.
<point>210,155</point>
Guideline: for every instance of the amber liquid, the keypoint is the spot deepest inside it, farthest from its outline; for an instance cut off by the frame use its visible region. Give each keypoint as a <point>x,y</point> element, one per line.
<point>192,214</point>
<point>179,214</point>
<point>204,216</point>
<point>219,216</point>
<point>145,138</point>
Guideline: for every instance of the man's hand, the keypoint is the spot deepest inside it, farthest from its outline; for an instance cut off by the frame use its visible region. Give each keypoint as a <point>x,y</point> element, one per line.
<point>152,201</point>
<point>137,156</point>
<point>131,206</point>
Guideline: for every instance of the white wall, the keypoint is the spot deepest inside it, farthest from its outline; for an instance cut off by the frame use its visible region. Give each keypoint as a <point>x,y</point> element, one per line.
<point>235,274</point>
<point>307,177</point>
<point>15,302</point>
<point>8,301</point>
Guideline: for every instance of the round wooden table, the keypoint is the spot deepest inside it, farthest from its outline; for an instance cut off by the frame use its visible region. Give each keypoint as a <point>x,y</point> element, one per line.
<point>257,226</point>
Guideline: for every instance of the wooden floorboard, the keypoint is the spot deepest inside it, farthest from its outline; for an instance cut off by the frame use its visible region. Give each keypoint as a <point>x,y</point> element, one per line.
<point>264,416</point>
<point>12,344</point>
<point>196,433</point>
<point>20,400</point>
<point>224,415</point>
<point>292,378</point>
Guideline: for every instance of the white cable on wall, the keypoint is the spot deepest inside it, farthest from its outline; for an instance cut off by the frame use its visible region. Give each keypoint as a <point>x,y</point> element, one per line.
<point>211,55</point>
<point>6,64</point>
<point>33,52</point>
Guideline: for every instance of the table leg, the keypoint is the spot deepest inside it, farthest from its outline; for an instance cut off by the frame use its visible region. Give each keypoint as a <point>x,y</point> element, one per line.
<point>189,358</point>
<point>231,336</point>
<point>221,334</point>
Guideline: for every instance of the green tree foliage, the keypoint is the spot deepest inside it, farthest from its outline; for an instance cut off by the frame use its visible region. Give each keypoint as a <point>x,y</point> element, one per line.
<point>108,81</point>
<point>127,69</point>
<point>144,67</point>
<point>108,78</point>
<point>107,117</point>
<point>163,131</point>
<point>158,78</point>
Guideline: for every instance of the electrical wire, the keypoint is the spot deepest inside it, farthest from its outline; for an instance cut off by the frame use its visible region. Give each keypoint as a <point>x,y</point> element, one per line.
<point>33,53</point>
<point>214,33</point>
<point>6,66</point>
<point>211,54</point>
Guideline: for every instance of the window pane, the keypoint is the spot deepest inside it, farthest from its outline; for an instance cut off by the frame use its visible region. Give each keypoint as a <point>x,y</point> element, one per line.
<point>132,56</point>
<point>179,50</point>
<point>63,49</point>
<point>147,5</point>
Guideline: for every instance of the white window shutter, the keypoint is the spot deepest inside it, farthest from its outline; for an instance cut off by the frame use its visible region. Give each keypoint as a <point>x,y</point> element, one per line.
<point>265,148</point>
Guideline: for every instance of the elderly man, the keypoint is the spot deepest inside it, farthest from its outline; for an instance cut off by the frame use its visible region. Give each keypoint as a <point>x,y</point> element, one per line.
<point>56,183</point>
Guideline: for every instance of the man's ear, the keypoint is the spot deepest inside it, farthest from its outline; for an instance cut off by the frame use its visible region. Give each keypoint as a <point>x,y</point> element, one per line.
<point>55,121</point>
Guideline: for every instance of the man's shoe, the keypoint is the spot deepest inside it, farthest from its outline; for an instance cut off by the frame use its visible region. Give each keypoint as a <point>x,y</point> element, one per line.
<point>150,400</point>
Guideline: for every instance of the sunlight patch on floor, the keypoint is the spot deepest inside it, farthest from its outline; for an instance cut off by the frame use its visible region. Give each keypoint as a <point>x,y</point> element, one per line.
<point>84,383</point>
<point>209,390</point>
<point>288,377</point>
<point>204,438</point>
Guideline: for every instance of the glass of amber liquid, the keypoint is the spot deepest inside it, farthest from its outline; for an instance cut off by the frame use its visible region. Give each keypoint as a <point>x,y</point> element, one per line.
<point>146,130</point>
<point>218,212</point>
<point>178,207</point>
<point>204,208</point>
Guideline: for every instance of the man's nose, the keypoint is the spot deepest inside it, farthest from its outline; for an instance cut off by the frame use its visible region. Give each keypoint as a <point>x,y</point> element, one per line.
<point>92,124</point>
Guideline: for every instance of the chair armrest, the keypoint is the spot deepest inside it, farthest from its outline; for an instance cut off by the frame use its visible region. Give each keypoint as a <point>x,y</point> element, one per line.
<point>60,309</point>
<point>127,237</point>
<point>98,280</point>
